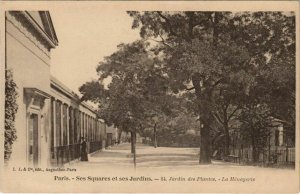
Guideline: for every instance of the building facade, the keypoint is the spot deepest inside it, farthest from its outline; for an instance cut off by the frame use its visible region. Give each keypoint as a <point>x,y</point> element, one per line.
<point>51,119</point>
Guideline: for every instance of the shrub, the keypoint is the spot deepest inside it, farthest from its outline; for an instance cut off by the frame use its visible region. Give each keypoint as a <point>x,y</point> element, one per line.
<point>11,108</point>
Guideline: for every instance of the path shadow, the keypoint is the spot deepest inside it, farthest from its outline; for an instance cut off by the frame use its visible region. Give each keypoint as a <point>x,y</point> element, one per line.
<point>168,164</point>
<point>103,154</point>
<point>167,154</point>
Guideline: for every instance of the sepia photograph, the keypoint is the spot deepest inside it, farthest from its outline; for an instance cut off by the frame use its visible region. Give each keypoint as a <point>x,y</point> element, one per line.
<point>150,97</point>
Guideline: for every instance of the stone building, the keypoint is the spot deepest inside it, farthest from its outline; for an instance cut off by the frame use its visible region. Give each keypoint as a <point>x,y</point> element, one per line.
<point>51,119</point>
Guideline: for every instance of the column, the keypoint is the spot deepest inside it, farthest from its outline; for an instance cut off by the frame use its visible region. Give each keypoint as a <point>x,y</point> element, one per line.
<point>97,130</point>
<point>280,140</point>
<point>81,125</point>
<point>93,129</point>
<point>75,125</point>
<point>84,125</point>
<point>61,123</point>
<point>68,124</point>
<point>53,104</point>
<point>88,127</point>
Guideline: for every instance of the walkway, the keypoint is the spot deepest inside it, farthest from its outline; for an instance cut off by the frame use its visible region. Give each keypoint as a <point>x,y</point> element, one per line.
<point>119,156</point>
<point>158,168</point>
<point>147,156</point>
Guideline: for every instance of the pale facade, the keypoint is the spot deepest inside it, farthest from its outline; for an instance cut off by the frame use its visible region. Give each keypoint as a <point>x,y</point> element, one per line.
<point>111,136</point>
<point>51,119</point>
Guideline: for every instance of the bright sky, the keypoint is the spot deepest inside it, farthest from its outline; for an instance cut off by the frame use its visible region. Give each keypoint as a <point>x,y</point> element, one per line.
<point>85,37</point>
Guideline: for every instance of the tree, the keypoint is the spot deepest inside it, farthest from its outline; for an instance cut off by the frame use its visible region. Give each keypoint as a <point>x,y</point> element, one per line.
<point>226,113</point>
<point>136,88</point>
<point>11,108</point>
<point>209,50</point>
<point>270,40</point>
<point>255,129</point>
<point>197,51</point>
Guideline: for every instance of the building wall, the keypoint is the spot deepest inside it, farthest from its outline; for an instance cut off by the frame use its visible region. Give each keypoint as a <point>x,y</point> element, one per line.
<point>112,134</point>
<point>84,114</point>
<point>71,120</point>
<point>29,59</point>
<point>48,112</point>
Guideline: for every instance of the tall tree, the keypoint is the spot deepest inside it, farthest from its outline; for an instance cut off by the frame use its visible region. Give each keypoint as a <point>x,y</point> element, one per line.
<point>197,51</point>
<point>210,49</point>
<point>134,92</point>
<point>270,39</point>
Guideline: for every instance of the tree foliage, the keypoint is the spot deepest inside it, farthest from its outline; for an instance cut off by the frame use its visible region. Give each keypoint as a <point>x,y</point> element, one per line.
<point>136,94</point>
<point>220,51</point>
<point>224,66</point>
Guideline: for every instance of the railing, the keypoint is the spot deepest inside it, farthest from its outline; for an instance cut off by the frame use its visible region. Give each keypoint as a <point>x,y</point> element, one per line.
<point>94,146</point>
<point>274,155</point>
<point>61,155</point>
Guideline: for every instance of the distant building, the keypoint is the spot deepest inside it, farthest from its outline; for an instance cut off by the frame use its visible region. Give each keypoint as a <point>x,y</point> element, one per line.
<point>111,135</point>
<point>51,119</point>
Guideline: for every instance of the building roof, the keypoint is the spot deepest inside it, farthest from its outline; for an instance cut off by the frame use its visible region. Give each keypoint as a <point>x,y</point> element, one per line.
<point>39,24</point>
<point>43,20</point>
<point>62,88</point>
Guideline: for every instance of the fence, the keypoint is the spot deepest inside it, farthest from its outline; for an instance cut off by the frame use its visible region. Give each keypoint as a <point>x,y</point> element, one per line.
<point>274,155</point>
<point>64,154</point>
<point>94,146</point>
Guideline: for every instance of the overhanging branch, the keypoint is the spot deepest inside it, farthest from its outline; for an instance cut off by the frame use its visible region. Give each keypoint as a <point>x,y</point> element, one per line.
<point>168,23</point>
<point>192,88</point>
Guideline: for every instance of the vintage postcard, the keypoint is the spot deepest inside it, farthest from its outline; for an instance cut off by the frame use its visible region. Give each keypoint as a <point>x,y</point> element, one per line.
<point>149,96</point>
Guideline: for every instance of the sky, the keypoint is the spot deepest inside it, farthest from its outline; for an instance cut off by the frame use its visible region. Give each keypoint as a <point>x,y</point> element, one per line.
<point>85,37</point>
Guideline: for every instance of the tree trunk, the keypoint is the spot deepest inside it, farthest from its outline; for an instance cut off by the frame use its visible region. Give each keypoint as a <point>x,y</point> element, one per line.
<point>204,114</point>
<point>226,130</point>
<point>255,154</point>
<point>119,135</point>
<point>132,142</point>
<point>205,143</point>
<point>227,140</point>
<point>134,148</point>
<point>155,136</point>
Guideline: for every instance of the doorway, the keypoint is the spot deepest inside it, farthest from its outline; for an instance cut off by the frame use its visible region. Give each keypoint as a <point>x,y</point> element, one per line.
<point>33,137</point>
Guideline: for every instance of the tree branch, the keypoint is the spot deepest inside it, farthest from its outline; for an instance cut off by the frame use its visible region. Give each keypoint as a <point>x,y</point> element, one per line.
<point>191,24</point>
<point>192,88</point>
<point>168,23</point>
<point>161,42</point>
<point>218,118</point>
<point>233,112</point>
<point>218,82</point>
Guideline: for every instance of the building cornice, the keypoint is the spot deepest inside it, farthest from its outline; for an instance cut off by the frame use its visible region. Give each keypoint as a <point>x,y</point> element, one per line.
<point>51,41</point>
<point>27,32</point>
<point>33,27</point>
<point>60,87</point>
<point>36,92</point>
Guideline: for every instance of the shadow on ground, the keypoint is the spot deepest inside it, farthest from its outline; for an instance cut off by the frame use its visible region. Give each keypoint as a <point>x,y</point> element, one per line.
<point>147,156</point>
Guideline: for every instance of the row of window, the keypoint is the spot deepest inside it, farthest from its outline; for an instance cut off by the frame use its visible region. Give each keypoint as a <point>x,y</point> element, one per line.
<point>69,124</point>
